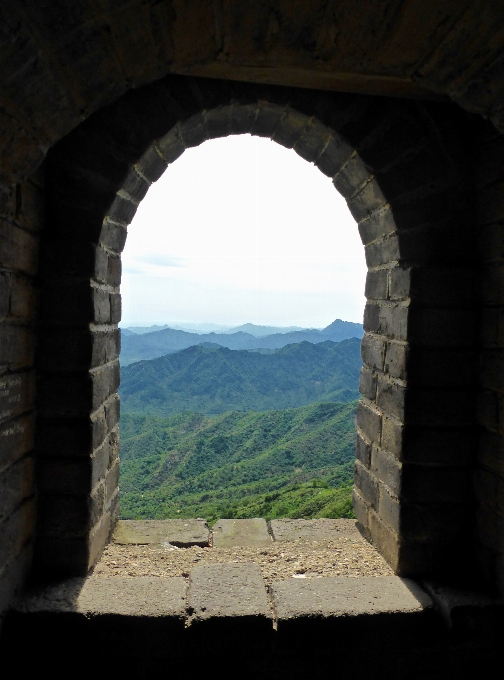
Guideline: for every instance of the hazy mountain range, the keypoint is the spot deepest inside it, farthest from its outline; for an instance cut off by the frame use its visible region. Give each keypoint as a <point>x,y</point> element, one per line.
<point>215,380</point>
<point>137,344</point>
<point>204,327</point>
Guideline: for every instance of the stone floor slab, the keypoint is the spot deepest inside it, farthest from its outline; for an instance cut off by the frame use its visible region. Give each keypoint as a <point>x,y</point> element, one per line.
<point>315,530</point>
<point>182,533</point>
<point>385,609</point>
<point>247,533</point>
<point>123,615</point>
<point>228,602</point>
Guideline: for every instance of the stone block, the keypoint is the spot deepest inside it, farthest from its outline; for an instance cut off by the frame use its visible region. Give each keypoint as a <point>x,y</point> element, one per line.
<point>351,177</point>
<point>473,617</point>
<point>376,284</point>
<point>382,252</point>
<point>17,391</point>
<point>16,485</point>
<point>363,450</point>
<point>335,154</point>
<point>366,484</point>
<point>373,351</point>
<point>113,235</point>
<point>267,118</point>
<point>312,142</point>
<point>367,383</point>
<point>22,298</point>
<point>218,121</point>
<point>399,283</point>
<point>384,610</point>
<point>368,419</point>
<point>377,226</point>
<point>180,532</point>
<point>391,397</point>
<point>16,345</point>
<point>290,128</point>
<point>434,446</point>
<point>126,616</point>
<point>366,201</point>
<point>228,533</point>
<point>18,249</point>
<point>152,164</point>
<point>121,210</point>
<point>193,131</point>
<point>387,469</point>
<point>16,439</point>
<point>314,530</point>
<point>396,358</point>
<point>229,600</point>
<point>16,530</point>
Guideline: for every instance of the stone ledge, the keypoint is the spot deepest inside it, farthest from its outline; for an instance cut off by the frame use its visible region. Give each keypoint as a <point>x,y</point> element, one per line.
<point>182,533</point>
<point>388,609</point>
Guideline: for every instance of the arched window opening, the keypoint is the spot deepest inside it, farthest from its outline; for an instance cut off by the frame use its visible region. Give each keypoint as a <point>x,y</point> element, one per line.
<point>243,294</point>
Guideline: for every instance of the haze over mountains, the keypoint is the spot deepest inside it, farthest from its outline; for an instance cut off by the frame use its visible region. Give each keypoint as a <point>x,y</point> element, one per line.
<point>150,345</point>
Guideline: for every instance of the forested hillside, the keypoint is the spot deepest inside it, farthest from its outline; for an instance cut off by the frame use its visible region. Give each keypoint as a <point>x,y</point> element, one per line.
<point>215,380</point>
<point>282,463</point>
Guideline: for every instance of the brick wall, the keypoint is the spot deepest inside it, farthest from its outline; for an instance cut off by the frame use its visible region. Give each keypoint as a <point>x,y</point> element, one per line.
<point>403,168</point>
<point>21,220</point>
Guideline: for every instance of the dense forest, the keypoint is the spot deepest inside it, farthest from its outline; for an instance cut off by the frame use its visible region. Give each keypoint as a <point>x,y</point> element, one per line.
<point>277,463</point>
<point>213,380</point>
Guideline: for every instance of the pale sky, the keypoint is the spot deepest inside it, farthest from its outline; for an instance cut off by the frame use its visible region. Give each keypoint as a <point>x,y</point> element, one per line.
<point>240,230</point>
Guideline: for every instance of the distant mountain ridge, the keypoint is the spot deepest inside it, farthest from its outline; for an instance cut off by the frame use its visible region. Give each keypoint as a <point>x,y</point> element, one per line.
<point>215,380</point>
<point>159,343</point>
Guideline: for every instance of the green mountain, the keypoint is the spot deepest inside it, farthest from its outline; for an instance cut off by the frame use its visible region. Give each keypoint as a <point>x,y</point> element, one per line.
<point>295,462</point>
<point>215,380</point>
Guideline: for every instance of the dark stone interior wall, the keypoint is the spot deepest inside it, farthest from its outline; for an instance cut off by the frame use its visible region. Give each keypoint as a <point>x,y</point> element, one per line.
<point>21,221</point>
<point>406,170</point>
<point>489,473</point>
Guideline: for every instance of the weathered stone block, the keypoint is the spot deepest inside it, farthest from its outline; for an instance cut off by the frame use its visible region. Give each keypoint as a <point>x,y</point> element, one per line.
<point>227,533</point>
<point>368,419</point>
<point>377,226</point>
<point>335,154</point>
<point>152,164</point>
<point>267,119</point>
<point>367,383</point>
<point>391,397</point>
<point>396,358</point>
<point>180,532</point>
<point>363,450</point>
<point>373,351</point>
<point>16,485</point>
<point>376,284</point>
<point>387,608</point>
<point>387,469</point>
<point>366,484</point>
<point>290,128</point>
<point>229,599</point>
<point>16,439</point>
<point>314,530</point>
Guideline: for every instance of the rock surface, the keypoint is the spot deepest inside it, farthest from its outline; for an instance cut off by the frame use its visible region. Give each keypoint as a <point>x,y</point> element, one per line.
<point>182,533</point>
<point>246,533</point>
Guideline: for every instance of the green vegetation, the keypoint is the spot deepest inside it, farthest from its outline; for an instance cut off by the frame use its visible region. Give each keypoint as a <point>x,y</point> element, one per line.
<point>213,380</point>
<point>283,463</point>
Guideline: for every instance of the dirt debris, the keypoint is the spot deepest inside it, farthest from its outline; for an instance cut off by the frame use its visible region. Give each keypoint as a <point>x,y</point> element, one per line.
<point>281,561</point>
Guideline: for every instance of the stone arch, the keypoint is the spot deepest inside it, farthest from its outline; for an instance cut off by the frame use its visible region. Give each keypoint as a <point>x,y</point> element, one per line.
<point>402,168</point>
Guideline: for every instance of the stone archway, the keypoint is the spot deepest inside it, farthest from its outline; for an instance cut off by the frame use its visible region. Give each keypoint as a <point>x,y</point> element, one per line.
<point>402,168</point>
